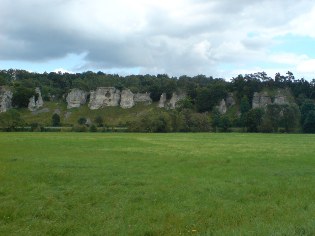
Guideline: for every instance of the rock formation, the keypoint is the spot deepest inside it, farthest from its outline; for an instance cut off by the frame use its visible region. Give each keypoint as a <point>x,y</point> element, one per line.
<point>281,98</point>
<point>162,100</point>
<point>5,99</point>
<point>176,97</point>
<point>76,98</point>
<point>104,97</point>
<point>261,100</point>
<point>230,101</point>
<point>36,102</point>
<point>142,97</point>
<point>127,99</point>
<point>222,108</point>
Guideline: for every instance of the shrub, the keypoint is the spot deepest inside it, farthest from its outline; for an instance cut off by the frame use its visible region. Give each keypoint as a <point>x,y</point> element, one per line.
<point>99,121</point>
<point>82,121</point>
<point>79,128</point>
<point>93,128</point>
<point>55,120</point>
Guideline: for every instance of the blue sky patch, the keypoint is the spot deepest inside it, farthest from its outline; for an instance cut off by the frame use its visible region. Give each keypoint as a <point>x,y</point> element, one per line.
<point>294,44</point>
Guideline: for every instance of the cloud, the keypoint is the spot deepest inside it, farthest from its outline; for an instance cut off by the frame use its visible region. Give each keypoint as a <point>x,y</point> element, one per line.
<point>307,67</point>
<point>158,36</point>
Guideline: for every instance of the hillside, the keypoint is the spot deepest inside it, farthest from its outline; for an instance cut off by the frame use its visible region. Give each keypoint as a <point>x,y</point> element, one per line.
<point>253,103</point>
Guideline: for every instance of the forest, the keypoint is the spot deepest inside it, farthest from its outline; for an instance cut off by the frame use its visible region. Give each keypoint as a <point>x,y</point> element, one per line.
<point>197,112</point>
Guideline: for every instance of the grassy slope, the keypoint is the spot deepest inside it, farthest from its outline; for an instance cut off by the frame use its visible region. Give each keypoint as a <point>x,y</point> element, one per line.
<point>113,116</point>
<point>156,184</point>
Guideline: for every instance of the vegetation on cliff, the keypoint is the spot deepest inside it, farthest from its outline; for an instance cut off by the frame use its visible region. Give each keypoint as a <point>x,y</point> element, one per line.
<point>259,103</point>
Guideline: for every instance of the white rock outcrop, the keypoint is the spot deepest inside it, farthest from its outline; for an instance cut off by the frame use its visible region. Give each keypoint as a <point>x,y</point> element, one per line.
<point>176,97</point>
<point>162,100</point>
<point>261,100</point>
<point>5,99</point>
<point>36,102</point>
<point>104,97</point>
<point>142,97</point>
<point>127,99</point>
<point>76,98</point>
<point>281,97</point>
<point>230,101</point>
<point>222,108</point>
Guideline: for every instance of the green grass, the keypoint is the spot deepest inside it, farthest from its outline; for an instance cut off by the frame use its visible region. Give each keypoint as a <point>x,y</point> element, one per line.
<point>113,116</point>
<point>156,184</point>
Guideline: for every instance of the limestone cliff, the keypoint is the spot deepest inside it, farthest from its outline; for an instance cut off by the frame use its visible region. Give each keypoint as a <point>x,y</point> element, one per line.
<point>36,102</point>
<point>127,99</point>
<point>176,97</point>
<point>76,98</point>
<point>279,97</point>
<point>162,100</point>
<point>143,97</point>
<point>5,99</point>
<point>261,100</point>
<point>230,101</point>
<point>104,97</point>
<point>222,108</point>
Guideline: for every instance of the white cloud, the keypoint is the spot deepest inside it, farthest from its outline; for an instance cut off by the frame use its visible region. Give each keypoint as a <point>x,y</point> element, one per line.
<point>158,36</point>
<point>307,67</point>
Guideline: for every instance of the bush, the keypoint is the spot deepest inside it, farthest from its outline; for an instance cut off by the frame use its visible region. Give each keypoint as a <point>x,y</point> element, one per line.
<point>79,128</point>
<point>55,120</point>
<point>21,96</point>
<point>82,121</point>
<point>35,127</point>
<point>93,128</point>
<point>99,121</point>
<point>11,120</point>
<point>309,124</point>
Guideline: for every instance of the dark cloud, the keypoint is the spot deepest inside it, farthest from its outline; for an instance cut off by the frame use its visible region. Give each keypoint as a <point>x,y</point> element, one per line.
<point>187,37</point>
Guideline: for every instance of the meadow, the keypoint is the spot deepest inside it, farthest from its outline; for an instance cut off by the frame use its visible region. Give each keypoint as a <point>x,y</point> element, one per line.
<point>157,184</point>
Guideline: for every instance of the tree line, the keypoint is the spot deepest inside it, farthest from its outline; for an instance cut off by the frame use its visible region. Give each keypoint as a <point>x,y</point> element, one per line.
<point>197,112</point>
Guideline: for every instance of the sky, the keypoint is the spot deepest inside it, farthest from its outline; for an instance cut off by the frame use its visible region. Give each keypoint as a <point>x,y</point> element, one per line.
<point>220,38</point>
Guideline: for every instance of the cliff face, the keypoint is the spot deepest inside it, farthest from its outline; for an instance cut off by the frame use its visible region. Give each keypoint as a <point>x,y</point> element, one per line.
<point>263,99</point>
<point>5,99</point>
<point>222,108</point>
<point>171,104</point>
<point>162,100</point>
<point>176,97</point>
<point>76,98</point>
<point>34,103</point>
<point>127,99</point>
<point>143,97</point>
<point>104,97</point>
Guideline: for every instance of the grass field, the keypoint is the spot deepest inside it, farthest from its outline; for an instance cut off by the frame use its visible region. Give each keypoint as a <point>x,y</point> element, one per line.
<point>156,184</point>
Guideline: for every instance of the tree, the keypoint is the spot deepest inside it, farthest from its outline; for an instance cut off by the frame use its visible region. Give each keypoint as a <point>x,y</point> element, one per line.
<point>10,120</point>
<point>216,119</point>
<point>209,97</point>
<point>225,123</point>
<point>185,103</point>
<point>93,128</point>
<point>273,116</point>
<point>21,96</point>
<point>306,107</point>
<point>244,106</point>
<point>290,117</point>
<point>55,120</point>
<point>99,121</point>
<point>82,121</point>
<point>309,123</point>
<point>254,119</point>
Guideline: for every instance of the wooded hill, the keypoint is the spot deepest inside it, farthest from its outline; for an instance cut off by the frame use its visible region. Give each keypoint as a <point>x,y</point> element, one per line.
<point>252,103</point>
